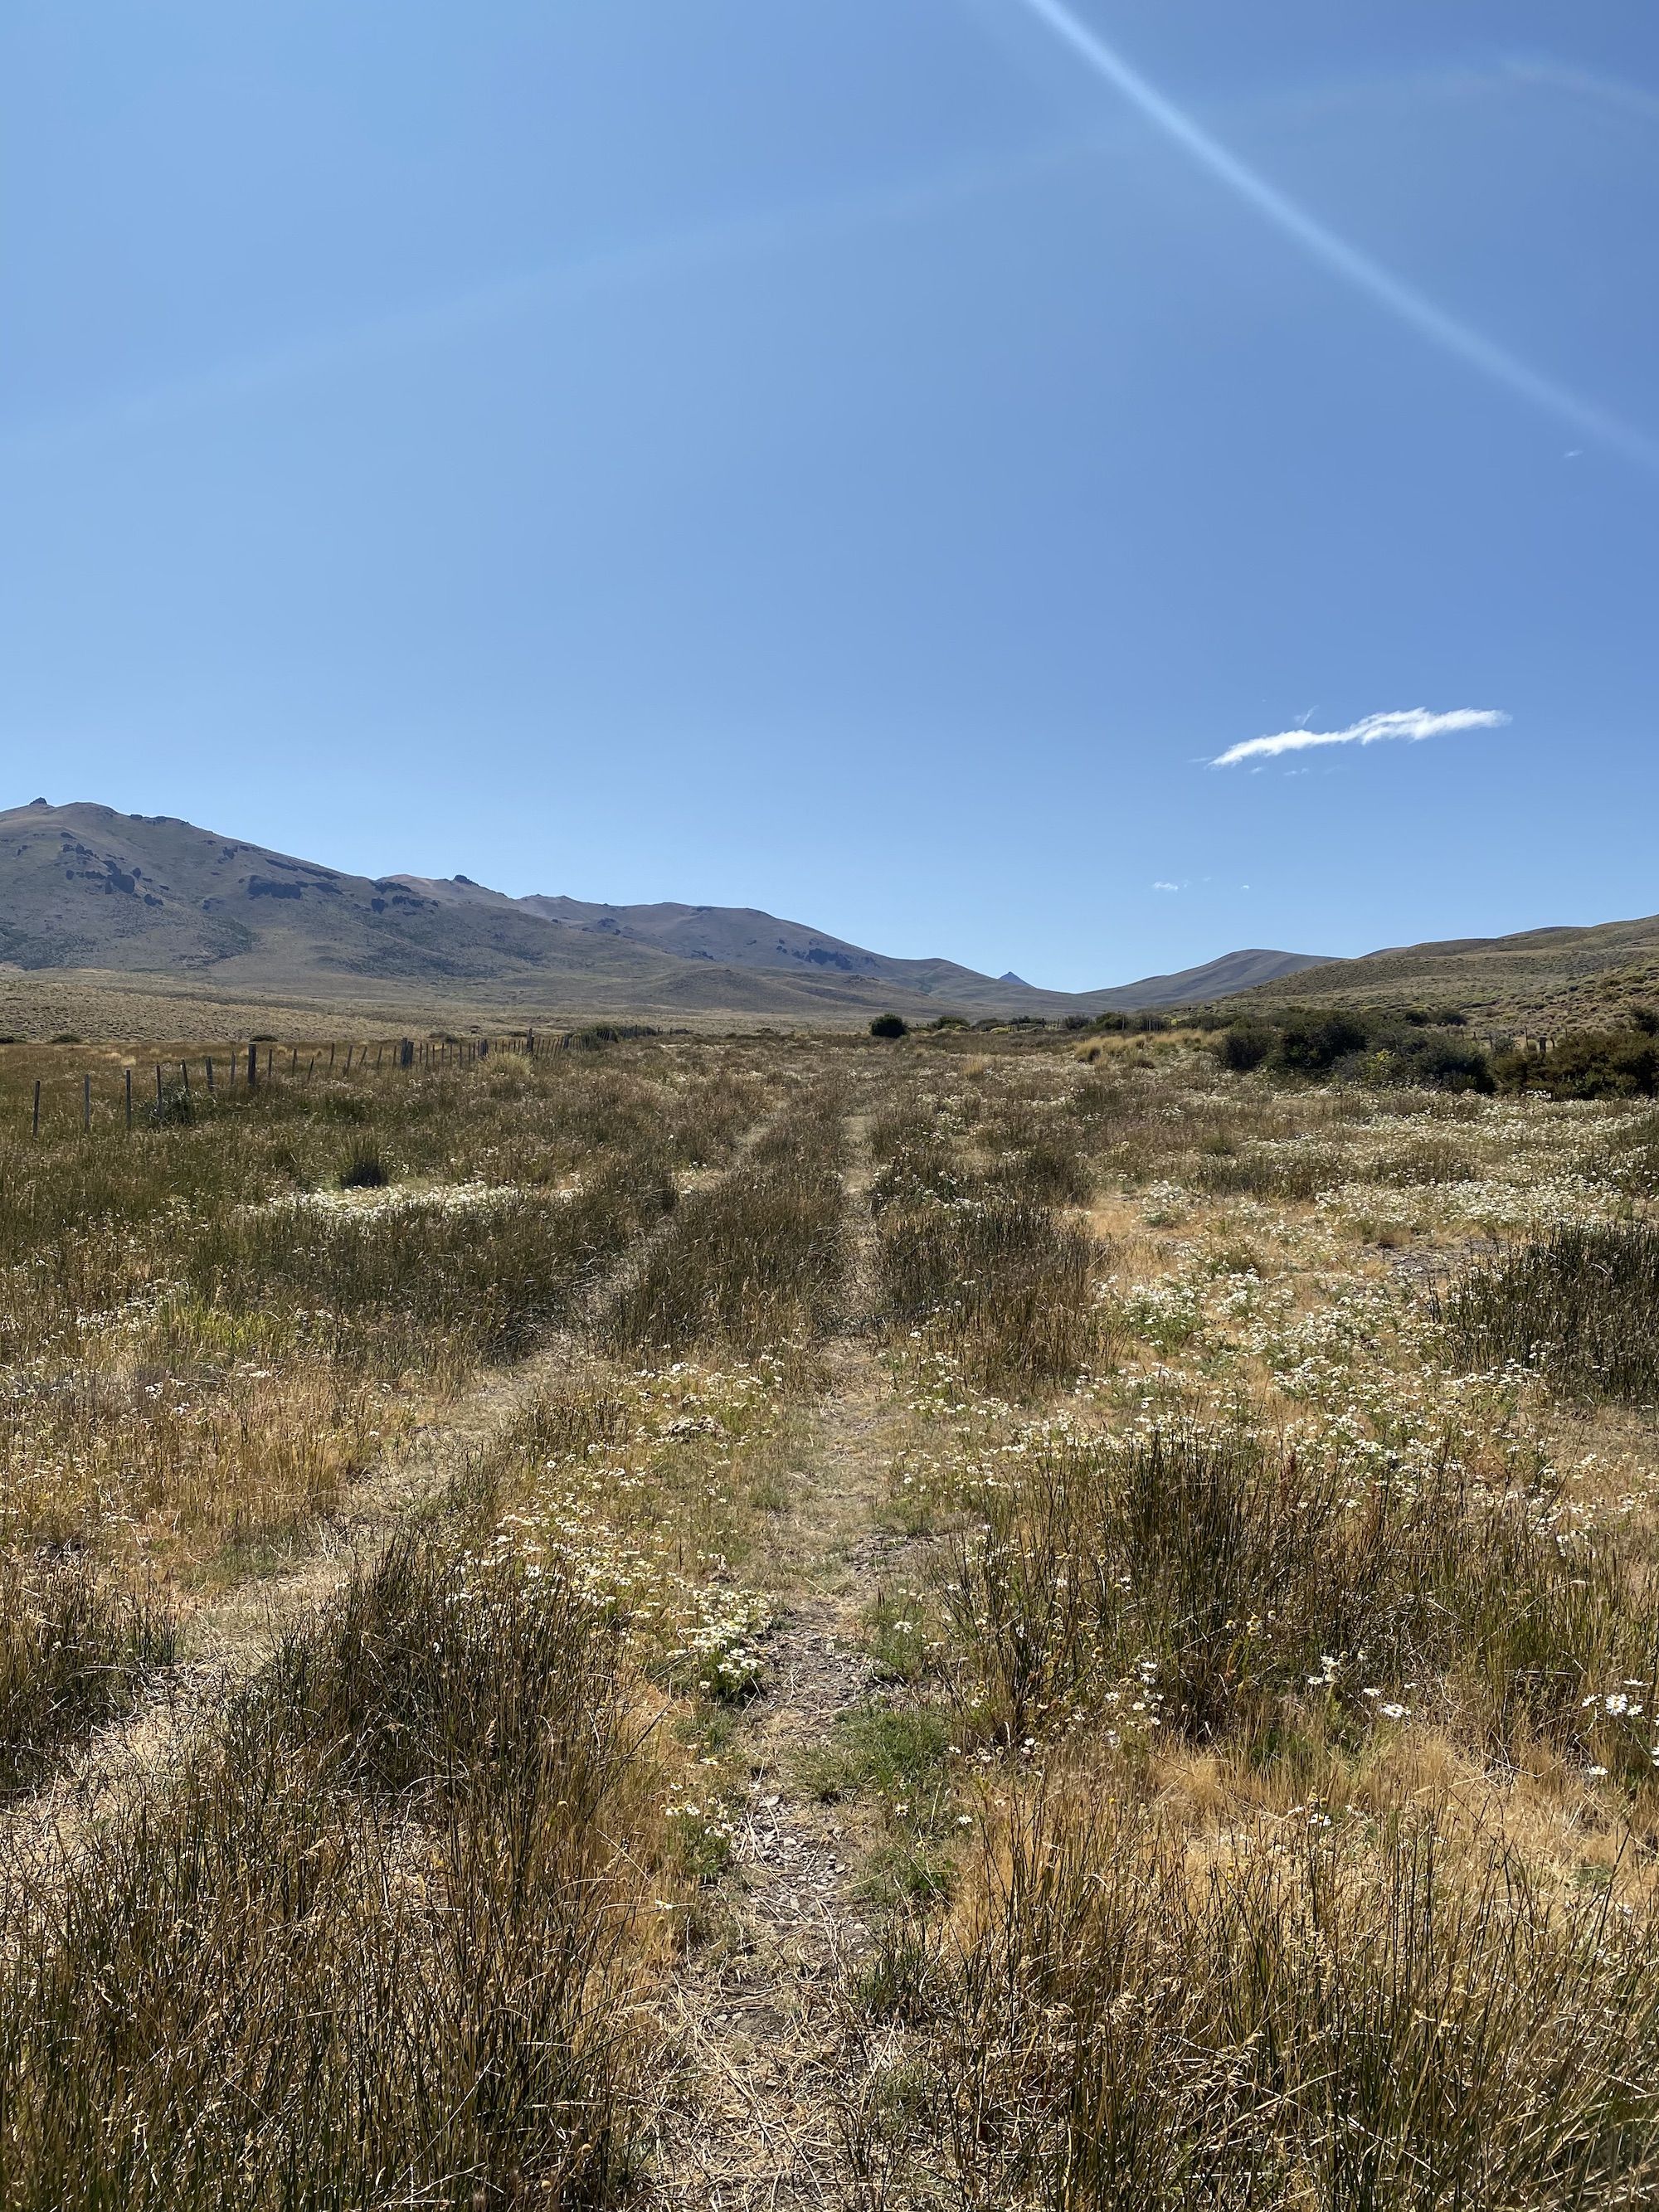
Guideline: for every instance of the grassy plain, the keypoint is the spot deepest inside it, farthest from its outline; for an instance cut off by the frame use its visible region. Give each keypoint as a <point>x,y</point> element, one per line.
<point>116,1005</point>
<point>1235,1785</point>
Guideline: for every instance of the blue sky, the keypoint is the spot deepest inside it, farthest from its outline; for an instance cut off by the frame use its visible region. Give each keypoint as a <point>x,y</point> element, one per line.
<point>864,459</point>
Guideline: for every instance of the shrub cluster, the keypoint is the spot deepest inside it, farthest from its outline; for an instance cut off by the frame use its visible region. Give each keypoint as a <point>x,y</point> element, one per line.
<point>1359,1045</point>
<point>1618,1063</point>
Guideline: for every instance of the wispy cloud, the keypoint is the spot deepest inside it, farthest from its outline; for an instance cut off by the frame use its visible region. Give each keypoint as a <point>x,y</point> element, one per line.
<point>1411,723</point>
<point>1617,92</point>
<point>1166,887</point>
<point>551,287</point>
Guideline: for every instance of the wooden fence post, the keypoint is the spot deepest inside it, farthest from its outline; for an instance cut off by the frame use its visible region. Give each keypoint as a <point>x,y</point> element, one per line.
<point>209,1077</point>
<point>128,1072</point>
<point>252,1066</point>
<point>158,1088</point>
<point>86,1105</point>
<point>184,1070</point>
<point>35,1130</point>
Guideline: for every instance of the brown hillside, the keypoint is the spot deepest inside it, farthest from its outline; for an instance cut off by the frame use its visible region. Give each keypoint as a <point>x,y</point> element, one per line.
<point>1540,978</point>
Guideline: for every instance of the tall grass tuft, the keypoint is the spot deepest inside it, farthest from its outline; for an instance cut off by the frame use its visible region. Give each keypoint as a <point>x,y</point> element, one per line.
<point>400,1285</point>
<point>1127,2021</point>
<point>1008,1287</point>
<point>369,1947</point>
<point>1227,1585</point>
<point>1582,1305</point>
<point>74,1650</point>
<point>969,1245</point>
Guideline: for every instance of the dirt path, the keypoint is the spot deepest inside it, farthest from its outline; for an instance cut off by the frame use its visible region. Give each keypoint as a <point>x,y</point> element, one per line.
<point>756,2020</point>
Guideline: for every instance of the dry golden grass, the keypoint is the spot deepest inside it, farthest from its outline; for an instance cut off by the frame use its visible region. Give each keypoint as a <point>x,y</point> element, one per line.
<point>1259,1803</point>
<point>1274,1625</point>
<point>405,1883</point>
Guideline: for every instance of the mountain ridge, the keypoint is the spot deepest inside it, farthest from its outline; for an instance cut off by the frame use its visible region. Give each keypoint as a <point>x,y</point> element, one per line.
<point>83,886</point>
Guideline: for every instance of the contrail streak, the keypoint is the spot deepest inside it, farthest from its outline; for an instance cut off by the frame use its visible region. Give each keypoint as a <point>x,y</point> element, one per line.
<point>1346,261</point>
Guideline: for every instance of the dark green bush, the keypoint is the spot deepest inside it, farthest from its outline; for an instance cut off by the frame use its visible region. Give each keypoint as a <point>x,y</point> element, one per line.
<point>1587,1064</point>
<point>1313,1043</point>
<point>1244,1045</point>
<point>1418,1047</point>
<point>1435,1059</point>
<point>890,1025</point>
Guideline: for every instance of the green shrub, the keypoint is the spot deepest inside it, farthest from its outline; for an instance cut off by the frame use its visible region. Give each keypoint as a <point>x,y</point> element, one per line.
<point>1244,1045</point>
<point>1313,1043</point>
<point>1587,1064</point>
<point>890,1025</point>
<point>1417,1047</point>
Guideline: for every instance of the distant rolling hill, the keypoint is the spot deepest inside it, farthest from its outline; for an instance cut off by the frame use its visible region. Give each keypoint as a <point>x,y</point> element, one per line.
<point>84,888</point>
<point>1216,979</point>
<point>743,937</point>
<point>1539,979</point>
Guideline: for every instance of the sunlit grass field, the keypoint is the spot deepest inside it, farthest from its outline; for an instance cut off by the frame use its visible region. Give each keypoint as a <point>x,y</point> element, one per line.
<point>1254,1798</point>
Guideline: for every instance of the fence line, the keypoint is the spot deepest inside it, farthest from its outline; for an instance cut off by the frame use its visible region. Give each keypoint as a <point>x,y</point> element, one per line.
<point>244,1068</point>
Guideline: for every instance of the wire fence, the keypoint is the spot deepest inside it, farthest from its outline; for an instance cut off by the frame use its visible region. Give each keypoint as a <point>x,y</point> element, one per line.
<point>144,1091</point>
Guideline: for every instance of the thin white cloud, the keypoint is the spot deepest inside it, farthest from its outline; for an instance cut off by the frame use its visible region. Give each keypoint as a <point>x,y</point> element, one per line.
<point>1166,887</point>
<point>1412,723</point>
<point>561,285</point>
<point>1616,92</point>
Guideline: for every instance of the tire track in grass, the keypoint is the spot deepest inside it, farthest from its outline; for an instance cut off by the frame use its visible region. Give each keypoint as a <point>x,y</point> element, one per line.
<point>753,2119</point>
<point>225,1641</point>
